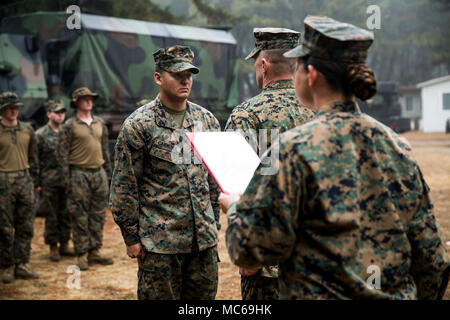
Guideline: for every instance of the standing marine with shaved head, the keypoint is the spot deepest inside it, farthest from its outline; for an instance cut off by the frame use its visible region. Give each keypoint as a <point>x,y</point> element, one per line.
<point>262,118</point>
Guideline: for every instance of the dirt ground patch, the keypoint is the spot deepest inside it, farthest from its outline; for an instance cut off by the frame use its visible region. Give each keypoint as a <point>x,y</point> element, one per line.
<point>119,281</point>
<point>432,136</point>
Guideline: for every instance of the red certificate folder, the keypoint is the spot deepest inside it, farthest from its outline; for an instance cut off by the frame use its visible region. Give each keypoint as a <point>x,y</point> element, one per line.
<point>227,156</point>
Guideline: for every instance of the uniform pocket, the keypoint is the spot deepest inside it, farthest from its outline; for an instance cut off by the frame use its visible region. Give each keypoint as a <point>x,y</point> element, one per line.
<point>162,154</point>
<point>164,169</point>
<point>146,263</point>
<point>163,150</point>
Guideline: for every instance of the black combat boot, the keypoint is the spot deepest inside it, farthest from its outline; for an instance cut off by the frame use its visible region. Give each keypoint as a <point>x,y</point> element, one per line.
<point>83,261</point>
<point>8,275</point>
<point>95,257</point>
<point>65,250</point>
<point>54,253</point>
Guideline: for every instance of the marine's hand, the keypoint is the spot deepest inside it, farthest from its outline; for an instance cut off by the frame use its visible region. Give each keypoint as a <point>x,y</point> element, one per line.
<point>225,200</point>
<point>248,272</point>
<point>135,251</point>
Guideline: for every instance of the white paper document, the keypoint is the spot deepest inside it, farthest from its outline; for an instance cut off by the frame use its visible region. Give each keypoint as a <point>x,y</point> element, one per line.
<point>229,158</point>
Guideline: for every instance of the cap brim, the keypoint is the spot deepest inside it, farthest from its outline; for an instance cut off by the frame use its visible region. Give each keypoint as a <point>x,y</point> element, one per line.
<point>297,52</point>
<point>182,66</point>
<point>18,104</point>
<point>253,53</point>
<point>59,109</point>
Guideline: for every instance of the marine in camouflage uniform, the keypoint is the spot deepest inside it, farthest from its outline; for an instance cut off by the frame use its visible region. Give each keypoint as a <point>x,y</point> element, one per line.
<point>85,155</point>
<point>275,108</point>
<point>18,173</point>
<point>51,183</point>
<point>348,197</point>
<point>167,208</point>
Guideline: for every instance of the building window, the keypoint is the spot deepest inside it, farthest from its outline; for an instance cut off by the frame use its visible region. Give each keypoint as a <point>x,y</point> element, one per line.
<point>446,101</point>
<point>409,103</point>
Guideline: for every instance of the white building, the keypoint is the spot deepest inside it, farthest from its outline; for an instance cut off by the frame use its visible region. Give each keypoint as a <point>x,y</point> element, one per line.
<point>410,101</point>
<point>435,97</point>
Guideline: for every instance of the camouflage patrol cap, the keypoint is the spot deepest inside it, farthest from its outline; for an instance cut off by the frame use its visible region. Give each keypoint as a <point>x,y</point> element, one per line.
<point>273,38</point>
<point>328,39</point>
<point>175,59</point>
<point>9,98</point>
<point>55,106</point>
<point>80,92</point>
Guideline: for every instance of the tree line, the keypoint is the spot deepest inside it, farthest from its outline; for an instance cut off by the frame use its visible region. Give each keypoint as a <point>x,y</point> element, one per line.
<point>412,45</point>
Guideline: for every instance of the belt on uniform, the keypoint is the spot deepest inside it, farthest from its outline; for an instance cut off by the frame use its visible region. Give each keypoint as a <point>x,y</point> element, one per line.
<point>18,173</point>
<point>86,169</point>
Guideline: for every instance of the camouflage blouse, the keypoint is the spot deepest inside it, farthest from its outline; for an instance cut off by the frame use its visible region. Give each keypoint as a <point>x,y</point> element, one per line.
<point>348,200</point>
<point>156,199</point>
<point>275,108</point>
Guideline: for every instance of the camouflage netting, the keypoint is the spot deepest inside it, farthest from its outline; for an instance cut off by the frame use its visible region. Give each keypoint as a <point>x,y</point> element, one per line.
<point>112,57</point>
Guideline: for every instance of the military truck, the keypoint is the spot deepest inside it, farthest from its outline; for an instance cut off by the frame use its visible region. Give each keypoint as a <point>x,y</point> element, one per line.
<point>385,107</point>
<point>21,71</point>
<point>41,57</point>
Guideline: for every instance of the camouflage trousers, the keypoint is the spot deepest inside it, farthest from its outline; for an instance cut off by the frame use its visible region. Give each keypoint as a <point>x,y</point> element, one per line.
<point>87,202</point>
<point>184,276</point>
<point>16,217</point>
<point>258,287</point>
<point>57,217</point>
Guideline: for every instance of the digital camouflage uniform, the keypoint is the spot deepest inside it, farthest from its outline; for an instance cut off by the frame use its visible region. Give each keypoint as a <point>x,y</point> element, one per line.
<point>348,197</point>
<point>169,206</point>
<point>275,108</point>
<point>18,173</point>
<point>89,174</point>
<point>52,182</point>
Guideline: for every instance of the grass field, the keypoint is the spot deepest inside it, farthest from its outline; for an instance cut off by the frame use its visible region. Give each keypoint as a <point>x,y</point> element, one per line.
<point>119,281</point>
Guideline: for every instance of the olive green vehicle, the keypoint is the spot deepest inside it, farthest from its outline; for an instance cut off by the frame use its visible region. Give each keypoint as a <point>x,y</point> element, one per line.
<point>41,57</point>
<point>385,107</point>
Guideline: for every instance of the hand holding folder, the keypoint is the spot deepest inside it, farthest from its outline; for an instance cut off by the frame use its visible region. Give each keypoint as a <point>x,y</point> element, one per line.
<point>227,156</point>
